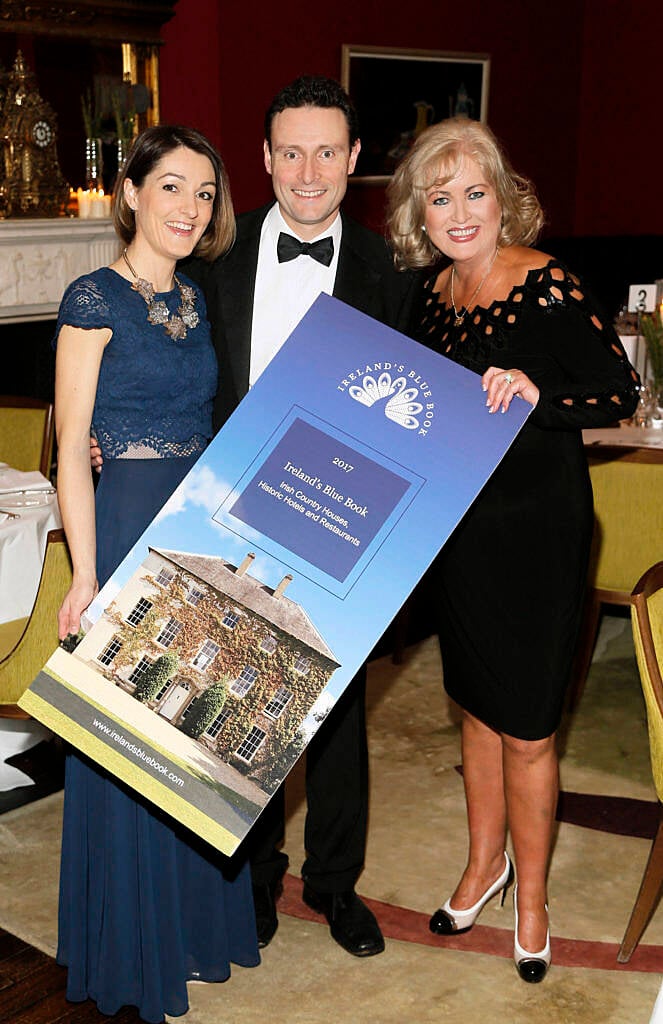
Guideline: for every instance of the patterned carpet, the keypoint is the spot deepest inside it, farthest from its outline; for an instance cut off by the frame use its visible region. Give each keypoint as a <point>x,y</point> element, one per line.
<point>416,850</point>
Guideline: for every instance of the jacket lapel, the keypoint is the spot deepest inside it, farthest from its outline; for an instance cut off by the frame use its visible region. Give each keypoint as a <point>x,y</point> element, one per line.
<point>236,290</point>
<point>356,281</point>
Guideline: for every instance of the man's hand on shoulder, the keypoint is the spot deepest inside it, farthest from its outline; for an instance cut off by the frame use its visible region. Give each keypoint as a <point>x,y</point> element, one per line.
<point>96,458</point>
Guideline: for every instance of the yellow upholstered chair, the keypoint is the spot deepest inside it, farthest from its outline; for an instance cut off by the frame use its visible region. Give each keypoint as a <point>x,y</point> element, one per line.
<point>26,433</point>
<point>647,618</point>
<point>27,644</point>
<point>628,538</point>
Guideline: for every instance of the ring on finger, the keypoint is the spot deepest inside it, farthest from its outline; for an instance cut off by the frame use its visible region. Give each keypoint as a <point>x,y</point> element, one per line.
<point>508,378</point>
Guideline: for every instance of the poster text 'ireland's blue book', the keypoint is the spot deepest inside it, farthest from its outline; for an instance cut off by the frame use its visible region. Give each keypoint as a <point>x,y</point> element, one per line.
<point>224,638</point>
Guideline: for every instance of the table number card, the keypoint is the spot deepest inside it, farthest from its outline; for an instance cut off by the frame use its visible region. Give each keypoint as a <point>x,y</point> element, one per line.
<point>642,298</point>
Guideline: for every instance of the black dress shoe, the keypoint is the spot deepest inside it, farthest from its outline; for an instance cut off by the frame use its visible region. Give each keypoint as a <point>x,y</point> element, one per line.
<point>265,895</point>
<point>351,923</point>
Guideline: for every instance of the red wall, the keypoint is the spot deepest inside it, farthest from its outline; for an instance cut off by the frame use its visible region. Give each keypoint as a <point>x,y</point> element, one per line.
<point>563,98</point>
<point>620,125</point>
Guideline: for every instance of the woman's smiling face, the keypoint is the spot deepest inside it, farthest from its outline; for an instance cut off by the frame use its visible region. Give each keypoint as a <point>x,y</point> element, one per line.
<point>174,204</point>
<point>462,216</point>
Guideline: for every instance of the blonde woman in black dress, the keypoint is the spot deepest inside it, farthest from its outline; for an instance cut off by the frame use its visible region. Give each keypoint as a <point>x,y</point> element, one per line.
<point>511,578</point>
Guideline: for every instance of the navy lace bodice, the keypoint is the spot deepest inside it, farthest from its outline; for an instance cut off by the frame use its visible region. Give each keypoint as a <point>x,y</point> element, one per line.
<point>154,396</point>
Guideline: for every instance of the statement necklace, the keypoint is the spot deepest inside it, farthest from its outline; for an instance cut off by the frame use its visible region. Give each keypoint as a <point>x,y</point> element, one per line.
<point>176,324</point>
<point>459,317</point>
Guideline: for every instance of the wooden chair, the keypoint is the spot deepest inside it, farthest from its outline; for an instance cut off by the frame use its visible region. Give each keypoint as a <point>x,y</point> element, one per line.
<point>27,644</point>
<point>26,433</point>
<point>628,498</point>
<point>647,619</point>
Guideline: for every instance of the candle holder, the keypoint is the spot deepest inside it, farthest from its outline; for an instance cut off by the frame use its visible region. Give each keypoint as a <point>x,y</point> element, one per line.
<point>93,164</point>
<point>652,330</point>
<point>122,153</point>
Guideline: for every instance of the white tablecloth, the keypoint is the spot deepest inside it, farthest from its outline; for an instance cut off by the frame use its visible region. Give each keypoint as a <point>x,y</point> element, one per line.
<point>23,543</point>
<point>626,436</point>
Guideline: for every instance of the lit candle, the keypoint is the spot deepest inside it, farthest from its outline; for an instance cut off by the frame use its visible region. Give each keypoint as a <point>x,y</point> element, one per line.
<point>84,203</point>
<point>97,208</point>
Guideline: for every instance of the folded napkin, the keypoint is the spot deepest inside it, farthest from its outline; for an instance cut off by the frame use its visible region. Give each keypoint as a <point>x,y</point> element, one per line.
<point>12,480</point>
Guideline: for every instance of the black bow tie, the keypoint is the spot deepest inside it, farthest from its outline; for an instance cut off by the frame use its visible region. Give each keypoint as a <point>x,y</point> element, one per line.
<point>289,247</point>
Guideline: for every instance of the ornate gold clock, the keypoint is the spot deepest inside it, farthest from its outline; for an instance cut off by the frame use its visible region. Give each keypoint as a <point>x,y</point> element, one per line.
<point>31,183</point>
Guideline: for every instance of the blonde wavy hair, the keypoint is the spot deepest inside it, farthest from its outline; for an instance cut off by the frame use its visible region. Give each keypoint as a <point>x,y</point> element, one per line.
<point>435,159</point>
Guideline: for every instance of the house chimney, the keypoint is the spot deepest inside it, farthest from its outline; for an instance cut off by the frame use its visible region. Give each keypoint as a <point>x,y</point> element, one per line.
<point>245,564</point>
<point>282,585</point>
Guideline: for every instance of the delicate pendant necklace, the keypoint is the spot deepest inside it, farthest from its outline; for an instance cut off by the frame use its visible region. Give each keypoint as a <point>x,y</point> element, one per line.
<point>459,317</point>
<point>176,324</point>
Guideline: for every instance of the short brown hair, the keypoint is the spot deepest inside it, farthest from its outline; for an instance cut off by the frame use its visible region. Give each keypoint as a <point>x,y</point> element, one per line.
<point>436,158</point>
<point>313,91</point>
<point>146,151</point>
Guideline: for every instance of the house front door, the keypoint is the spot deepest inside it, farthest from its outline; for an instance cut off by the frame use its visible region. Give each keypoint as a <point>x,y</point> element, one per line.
<point>174,701</point>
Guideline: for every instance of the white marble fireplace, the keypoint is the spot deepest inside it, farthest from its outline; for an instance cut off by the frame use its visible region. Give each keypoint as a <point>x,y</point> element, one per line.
<point>39,258</point>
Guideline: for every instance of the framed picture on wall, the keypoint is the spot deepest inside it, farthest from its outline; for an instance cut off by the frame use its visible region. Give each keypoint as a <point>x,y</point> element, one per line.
<point>398,93</point>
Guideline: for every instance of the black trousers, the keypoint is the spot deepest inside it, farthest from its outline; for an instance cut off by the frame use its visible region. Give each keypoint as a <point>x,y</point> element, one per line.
<point>337,803</point>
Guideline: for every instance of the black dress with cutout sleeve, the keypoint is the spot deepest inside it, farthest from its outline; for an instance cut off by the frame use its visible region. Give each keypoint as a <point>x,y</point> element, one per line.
<point>511,578</point>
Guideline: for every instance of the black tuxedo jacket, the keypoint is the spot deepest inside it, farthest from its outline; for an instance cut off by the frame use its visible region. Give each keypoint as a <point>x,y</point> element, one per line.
<point>365,278</point>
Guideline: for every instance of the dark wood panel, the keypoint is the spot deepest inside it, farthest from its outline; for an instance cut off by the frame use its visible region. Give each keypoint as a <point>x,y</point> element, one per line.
<point>32,990</point>
<point>16,967</point>
<point>9,945</point>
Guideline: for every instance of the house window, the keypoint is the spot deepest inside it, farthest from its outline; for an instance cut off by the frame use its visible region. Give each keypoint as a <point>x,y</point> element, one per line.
<point>248,747</point>
<point>206,655</point>
<point>215,728</point>
<point>302,665</point>
<point>110,650</point>
<point>195,596</point>
<point>162,690</point>
<point>230,619</point>
<point>140,669</point>
<point>245,680</point>
<point>278,702</point>
<point>169,632</point>
<point>269,644</point>
<point>138,612</point>
<point>165,577</point>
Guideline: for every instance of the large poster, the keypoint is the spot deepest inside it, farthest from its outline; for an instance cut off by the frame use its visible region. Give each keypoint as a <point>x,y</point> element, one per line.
<point>224,638</point>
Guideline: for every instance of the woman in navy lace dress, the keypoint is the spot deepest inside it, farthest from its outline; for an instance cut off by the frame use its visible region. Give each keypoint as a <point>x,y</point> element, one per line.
<point>144,905</point>
<point>511,579</point>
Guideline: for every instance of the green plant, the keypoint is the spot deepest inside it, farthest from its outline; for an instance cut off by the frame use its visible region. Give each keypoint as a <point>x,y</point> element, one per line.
<point>91,116</point>
<point>156,676</point>
<point>124,115</point>
<point>205,710</point>
<point>652,328</point>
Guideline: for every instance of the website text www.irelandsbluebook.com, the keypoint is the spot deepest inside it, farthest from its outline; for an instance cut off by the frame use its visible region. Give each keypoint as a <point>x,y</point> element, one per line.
<point>122,741</point>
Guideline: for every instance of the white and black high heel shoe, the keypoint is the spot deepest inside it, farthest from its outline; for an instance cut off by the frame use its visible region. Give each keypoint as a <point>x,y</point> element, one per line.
<point>531,967</point>
<point>449,921</point>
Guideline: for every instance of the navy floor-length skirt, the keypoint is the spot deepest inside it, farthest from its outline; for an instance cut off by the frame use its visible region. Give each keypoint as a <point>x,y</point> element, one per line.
<point>144,904</point>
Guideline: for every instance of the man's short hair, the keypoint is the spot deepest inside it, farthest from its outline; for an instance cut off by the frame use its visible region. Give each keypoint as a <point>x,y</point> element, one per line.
<point>313,91</point>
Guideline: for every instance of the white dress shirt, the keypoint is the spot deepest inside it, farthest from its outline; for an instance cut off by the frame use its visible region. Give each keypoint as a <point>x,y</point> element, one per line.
<point>285,291</point>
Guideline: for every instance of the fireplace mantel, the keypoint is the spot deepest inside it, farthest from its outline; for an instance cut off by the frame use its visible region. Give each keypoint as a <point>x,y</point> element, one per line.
<point>39,258</point>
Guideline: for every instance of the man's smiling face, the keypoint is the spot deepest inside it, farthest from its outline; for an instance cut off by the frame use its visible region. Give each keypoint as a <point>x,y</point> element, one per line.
<point>309,161</point>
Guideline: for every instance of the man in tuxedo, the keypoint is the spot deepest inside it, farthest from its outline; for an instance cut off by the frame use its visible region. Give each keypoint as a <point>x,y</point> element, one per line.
<point>285,254</point>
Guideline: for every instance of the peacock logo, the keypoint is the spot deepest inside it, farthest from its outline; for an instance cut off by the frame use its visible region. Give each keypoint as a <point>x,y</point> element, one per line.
<point>400,406</point>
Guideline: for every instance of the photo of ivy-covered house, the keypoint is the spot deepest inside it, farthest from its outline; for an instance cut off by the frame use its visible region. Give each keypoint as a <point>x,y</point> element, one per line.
<point>232,662</point>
